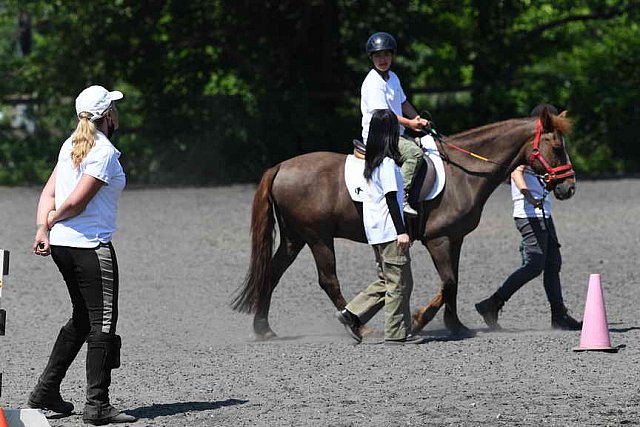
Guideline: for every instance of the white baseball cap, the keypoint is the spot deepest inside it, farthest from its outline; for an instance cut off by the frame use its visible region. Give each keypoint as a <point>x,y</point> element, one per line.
<point>96,100</point>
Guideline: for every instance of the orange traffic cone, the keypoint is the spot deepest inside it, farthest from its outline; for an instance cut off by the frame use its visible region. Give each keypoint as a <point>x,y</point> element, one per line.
<point>595,329</point>
<point>3,419</point>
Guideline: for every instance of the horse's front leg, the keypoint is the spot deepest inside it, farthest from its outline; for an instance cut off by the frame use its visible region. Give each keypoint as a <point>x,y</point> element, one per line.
<point>446,257</point>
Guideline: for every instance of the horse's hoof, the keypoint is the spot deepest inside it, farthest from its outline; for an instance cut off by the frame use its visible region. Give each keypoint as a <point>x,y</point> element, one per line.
<point>266,336</point>
<point>463,332</point>
<point>417,325</point>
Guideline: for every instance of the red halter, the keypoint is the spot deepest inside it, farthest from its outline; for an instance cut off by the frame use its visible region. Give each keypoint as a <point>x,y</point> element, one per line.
<point>553,174</point>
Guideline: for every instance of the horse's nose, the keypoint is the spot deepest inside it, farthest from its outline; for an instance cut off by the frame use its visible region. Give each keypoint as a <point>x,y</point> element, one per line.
<point>565,190</point>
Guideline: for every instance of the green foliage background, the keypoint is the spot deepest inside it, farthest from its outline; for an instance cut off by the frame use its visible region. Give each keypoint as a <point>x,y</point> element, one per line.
<point>218,90</point>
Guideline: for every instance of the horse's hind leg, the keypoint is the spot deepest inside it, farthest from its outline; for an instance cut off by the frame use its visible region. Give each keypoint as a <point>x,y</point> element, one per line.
<point>285,255</point>
<point>325,256</point>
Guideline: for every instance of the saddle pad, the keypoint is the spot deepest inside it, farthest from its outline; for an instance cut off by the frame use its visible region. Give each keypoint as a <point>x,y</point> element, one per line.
<point>357,185</point>
<point>354,178</point>
<point>430,150</point>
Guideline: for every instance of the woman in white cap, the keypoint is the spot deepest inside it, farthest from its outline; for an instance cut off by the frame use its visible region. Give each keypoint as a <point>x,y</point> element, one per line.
<point>76,219</point>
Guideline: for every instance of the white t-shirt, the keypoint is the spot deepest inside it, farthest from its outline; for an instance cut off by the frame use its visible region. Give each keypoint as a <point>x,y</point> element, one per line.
<point>97,222</point>
<point>378,94</point>
<point>378,224</point>
<point>524,209</point>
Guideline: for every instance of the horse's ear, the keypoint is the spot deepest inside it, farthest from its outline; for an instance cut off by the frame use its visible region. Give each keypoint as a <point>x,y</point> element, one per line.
<point>547,120</point>
<point>563,114</point>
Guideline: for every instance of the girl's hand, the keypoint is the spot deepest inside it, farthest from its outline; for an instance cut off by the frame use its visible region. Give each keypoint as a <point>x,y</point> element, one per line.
<point>403,242</point>
<point>41,242</point>
<point>417,123</point>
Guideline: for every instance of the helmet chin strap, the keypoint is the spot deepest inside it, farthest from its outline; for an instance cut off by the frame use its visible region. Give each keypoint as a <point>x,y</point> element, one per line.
<point>110,131</point>
<point>384,74</point>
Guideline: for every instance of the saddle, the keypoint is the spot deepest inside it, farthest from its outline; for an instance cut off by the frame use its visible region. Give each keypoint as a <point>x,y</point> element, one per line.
<point>425,177</point>
<point>359,149</point>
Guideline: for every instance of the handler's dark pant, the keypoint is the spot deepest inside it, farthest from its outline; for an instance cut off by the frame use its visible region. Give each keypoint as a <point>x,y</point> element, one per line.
<point>540,252</point>
<point>91,275</point>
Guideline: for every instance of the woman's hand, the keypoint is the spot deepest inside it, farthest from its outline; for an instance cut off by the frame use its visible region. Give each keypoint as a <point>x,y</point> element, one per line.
<point>41,243</point>
<point>403,242</point>
<point>537,203</point>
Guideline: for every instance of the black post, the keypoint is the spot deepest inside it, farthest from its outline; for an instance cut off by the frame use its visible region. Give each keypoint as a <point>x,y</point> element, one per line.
<point>4,271</point>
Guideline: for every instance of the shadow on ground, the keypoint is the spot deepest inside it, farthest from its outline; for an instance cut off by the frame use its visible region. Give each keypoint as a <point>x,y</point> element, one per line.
<point>167,409</point>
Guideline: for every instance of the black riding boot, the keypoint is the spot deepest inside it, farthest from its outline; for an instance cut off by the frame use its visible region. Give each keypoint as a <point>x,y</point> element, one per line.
<point>46,394</point>
<point>560,319</point>
<point>103,355</point>
<point>489,309</point>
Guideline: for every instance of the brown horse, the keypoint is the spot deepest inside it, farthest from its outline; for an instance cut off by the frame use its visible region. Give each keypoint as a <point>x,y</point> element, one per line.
<point>309,199</point>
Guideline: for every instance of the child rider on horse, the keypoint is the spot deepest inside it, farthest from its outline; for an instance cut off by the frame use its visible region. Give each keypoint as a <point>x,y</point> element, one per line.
<point>381,89</point>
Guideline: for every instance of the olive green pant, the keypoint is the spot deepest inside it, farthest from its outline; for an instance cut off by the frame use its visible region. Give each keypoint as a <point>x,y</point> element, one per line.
<point>410,156</point>
<point>392,290</point>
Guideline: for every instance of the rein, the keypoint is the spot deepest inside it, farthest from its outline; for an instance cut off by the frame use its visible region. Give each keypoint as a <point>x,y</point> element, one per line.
<point>442,140</point>
<point>553,174</point>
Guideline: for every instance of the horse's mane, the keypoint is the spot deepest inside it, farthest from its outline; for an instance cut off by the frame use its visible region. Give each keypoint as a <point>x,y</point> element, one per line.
<point>489,131</point>
<point>492,130</point>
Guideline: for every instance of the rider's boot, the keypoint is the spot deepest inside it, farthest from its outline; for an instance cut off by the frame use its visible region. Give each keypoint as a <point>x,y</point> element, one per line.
<point>103,355</point>
<point>46,394</point>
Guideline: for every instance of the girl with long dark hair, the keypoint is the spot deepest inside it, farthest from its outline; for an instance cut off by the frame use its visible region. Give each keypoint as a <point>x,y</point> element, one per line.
<point>386,232</point>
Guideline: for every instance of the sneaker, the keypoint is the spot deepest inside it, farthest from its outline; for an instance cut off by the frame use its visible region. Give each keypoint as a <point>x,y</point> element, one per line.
<point>408,210</point>
<point>410,339</point>
<point>351,323</point>
<point>406,207</point>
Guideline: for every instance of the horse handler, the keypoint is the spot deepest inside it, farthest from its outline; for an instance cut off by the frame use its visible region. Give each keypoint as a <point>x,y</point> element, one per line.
<point>540,248</point>
<point>385,230</point>
<point>76,219</point>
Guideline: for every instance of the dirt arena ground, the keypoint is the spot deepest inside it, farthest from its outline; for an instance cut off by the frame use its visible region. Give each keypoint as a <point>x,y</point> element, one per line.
<point>189,360</point>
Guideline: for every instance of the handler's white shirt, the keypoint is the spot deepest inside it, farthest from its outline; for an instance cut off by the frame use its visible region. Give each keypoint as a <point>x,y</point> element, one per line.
<point>524,209</point>
<point>97,222</point>
<point>378,94</point>
<point>378,224</point>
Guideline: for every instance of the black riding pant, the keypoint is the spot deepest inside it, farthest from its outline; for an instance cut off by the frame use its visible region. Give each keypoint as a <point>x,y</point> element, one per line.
<point>91,275</point>
<point>540,253</point>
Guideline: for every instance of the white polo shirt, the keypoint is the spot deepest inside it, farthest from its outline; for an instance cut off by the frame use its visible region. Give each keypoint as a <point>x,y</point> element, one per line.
<point>378,224</point>
<point>524,209</point>
<point>97,222</point>
<point>378,94</point>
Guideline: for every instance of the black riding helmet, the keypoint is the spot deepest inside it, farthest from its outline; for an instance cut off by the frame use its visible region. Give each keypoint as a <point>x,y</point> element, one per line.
<point>381,41</point>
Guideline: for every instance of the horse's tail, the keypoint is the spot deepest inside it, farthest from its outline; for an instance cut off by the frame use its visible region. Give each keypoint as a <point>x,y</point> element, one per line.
<point>258,278</point>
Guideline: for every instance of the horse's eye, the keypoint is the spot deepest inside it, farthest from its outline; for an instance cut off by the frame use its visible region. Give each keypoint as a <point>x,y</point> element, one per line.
<point>558,143</point>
